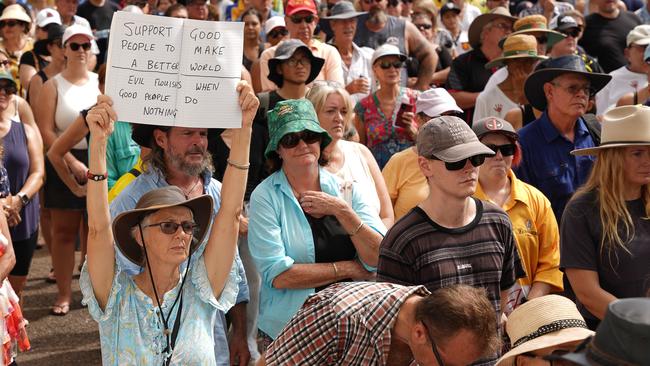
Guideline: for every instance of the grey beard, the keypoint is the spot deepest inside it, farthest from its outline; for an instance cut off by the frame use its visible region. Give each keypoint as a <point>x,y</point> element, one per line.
<point>377,16</point>
<point>193,170</point>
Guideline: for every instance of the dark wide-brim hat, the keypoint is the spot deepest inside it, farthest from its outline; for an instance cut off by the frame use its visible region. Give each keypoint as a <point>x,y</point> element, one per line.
<point>170,196</point>
<point>475,29</point>
<point>547,71</point>
<point>343,10</point>
<point>284,51</point>
<point>143,134</point>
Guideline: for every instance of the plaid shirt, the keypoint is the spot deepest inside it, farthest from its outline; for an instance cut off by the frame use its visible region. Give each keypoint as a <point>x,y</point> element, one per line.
<point>345,324</point>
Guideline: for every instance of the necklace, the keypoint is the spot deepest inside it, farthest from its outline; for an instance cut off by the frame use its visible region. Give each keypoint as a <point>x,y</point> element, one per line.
<point>187,193</point>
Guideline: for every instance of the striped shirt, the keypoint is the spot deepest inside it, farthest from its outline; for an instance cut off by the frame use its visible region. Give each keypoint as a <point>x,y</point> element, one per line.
<point>345,324</point>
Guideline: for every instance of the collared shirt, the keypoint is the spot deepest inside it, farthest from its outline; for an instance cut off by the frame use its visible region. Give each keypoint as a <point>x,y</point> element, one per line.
<point>279,235</point>
<point>560,8</point>
<point>643,14</point>
<point>547,163</point>
<point>331,71</point>
<point>537,236</point>
<point>360,67</point>
<point>127,200</point>
<point>345,324</point>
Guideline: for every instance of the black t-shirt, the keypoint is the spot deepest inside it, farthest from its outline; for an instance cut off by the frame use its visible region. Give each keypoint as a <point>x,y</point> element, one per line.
<point>605,38</point>
<point>331,242</point>
<point>468,73</point>
<point>623,274</point>
<point>30,58</point>
<point>100,18</point>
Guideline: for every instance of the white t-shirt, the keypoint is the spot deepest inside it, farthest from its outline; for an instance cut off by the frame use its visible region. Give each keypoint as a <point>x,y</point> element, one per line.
<point>497,78</point>
<point>492,103</point>
<point>471,12</point>
<point>623,81</point>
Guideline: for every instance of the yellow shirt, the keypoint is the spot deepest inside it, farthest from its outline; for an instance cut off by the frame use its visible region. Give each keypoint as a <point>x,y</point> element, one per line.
<point>406,185</point>
<point>536,233</point>
<point>124,181</point>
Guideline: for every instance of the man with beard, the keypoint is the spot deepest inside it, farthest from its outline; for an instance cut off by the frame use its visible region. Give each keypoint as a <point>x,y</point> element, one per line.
<point>179,156</point>
<point>376,28</point>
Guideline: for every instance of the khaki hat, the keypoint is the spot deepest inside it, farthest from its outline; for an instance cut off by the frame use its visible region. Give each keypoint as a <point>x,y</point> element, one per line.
<point>622,126</point>
<point>542,322</point>
<point>449,139</point>
<point>475,29</point>
<point>639,35</point>
<point>535,25</point>
<point>16,12</point>
<point>517,47</point>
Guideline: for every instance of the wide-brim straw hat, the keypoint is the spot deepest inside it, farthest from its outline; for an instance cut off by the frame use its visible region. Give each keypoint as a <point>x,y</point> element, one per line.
<point>547,71</point>
<point>622,126</point>
<point>16,12</point>
<point>545,321</point>
<point>170,196</point>
<point>517,47</point>
<point>535,25</point>
<point>475,29</point>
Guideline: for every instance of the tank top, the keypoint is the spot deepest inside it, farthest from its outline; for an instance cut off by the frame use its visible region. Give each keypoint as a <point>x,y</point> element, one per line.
<point>356,170</point>
<point>16,161</point>
<point>43,78</point>
<point>72,99</point>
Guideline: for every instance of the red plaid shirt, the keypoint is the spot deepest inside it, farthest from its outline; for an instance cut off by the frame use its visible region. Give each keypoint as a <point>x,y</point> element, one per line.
<point>345,324</point>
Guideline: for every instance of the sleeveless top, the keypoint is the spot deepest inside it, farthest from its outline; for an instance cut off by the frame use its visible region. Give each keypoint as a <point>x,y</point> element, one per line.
<point>72,99</point>
<point>356,170</point>
<point>43,77</point>
<point>16,161</point>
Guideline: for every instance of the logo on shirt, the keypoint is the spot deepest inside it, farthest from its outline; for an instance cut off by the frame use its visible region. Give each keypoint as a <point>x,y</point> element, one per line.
<point>467,267</point>
<point>634,84</point>
<point>498,108</point>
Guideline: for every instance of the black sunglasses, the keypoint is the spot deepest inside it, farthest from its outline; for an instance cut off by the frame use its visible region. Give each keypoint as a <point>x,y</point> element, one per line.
<point>296,19</point>
<point>434,348</point>
<point>424,26</point>
<point>75,46</point>
<point>506,150</point>
<point>278,32</point>
<point>476,160</point>
<point>571,32</point>
<point>387,65</point>
<point>8,88</point>
<point>170,228</point>
<point>9,23</point>
<point>291,140</point>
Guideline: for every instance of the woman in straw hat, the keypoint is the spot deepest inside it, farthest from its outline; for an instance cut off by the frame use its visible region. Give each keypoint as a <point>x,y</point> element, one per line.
<point>605,231</point>
<point>164,315</point>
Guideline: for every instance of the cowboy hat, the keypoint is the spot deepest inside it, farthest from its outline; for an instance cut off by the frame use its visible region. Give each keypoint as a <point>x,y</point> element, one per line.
<point>170,196</point>
<point>622,126</point>
<point>549,70</point>
<point>542,322</point>
<point>535,25</point>
<point>475,29</point>
<point>517,47</point>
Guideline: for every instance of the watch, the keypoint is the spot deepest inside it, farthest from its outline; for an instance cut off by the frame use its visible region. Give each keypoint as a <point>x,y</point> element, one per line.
<point>96,177</point>
<point>24,199</point>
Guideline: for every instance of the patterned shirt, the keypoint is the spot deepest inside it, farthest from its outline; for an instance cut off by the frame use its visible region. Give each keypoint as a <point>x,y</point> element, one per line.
<point>345,324</point>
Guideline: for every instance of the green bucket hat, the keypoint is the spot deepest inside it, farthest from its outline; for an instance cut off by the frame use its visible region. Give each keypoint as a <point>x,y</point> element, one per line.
<point>293,115</point>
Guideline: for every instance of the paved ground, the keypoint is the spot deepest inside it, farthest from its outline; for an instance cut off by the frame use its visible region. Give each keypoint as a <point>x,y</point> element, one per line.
<point>60,341</point>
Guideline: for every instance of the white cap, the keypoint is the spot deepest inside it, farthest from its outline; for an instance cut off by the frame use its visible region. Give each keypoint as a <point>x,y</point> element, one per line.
<point>436,101</point>
<point>387,50</point>
<point>274,22</point>
<point>639,35</point>
<point>47,16</point>
<point>133,9</point>
<point>76,29</point>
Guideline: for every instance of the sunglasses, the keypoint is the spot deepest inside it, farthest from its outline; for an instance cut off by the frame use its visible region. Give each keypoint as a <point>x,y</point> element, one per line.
<point>424,26</point>
<point>476,161</point>
<point>8,88</point>
<point>75,46</point>
<point>506,150</point>
<point>291,140</point>
<point>9,23</point>
<point>296,19</point>
<point>277,33</point>
<point>170,228</point>
<point>572,32</point>
<point>387,65</point>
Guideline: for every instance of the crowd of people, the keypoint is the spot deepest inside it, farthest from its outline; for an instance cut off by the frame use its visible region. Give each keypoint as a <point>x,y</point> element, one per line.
<point>415,182</point>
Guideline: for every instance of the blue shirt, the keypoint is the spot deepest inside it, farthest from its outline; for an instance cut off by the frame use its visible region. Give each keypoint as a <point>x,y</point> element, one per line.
<point>127,200</point>
<point>547,163</point>
<point>279,235</point>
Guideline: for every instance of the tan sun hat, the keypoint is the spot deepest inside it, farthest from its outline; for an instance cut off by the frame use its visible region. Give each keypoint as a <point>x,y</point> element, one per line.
<point>475,29</point>
<point>16,12</point>
<point>622,126</point>
<point>535,25</point>
<point>542,322</point>
<point>517,47</point>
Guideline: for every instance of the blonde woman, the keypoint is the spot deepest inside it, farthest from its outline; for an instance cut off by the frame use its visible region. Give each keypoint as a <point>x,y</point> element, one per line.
<point>605,231</point>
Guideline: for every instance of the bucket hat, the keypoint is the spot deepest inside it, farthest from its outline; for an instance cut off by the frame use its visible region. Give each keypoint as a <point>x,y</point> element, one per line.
<point>284,51</point>
<point>170,196</point>
<point>293,115</point>
<point>344,10</point>
<point>474,32</point>
<point>542,322</point>
<point>622,338</point>
<point>16,12</point>
<point>622,126</point>
<point>517,47</point>
<point>436,101</point>
<point>534,85</point>
<point>535,25</point>
<point>449,139</point>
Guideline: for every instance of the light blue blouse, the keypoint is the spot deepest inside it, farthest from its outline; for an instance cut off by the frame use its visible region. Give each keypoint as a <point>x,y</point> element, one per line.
<point>131,331</point>
<point>279,235</point>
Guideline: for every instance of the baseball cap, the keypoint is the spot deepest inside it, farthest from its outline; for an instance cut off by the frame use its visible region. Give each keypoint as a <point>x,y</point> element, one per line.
<point>387,50</point>
<point>494,125</point>
<point>274,22</point>
<point>563,22</point>
<point>449,139</point>
<point>449,6</point>
<point>436,101</point>
<point>295,6</point>
<point>639,35</point>
<point>47,16</point>
<point>76,29</point>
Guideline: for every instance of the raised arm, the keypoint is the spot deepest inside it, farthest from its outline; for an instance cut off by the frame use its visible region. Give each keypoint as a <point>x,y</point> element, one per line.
<point>222,243</point>
<point>101,253</point>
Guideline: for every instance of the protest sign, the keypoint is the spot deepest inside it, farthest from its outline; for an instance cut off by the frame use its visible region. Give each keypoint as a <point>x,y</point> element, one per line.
<point>174,72</point>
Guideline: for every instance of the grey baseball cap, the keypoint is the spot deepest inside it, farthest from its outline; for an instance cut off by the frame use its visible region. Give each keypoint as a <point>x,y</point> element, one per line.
<point>449,139</point>
<point>494,125</point>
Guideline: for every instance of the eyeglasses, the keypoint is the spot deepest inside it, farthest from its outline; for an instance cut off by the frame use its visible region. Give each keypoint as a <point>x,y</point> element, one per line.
<point>506,150</point>
<point>281,32</point>
<point>575,89</point>
<point>291,140</point>
<point>423,26</point>
<point>293,62</point>
<point>170,227</point>
<point>8,88</point>
<point>9,23</point>
<point>75,46</point>
<point>476,160</point>
<point>434,348</point>
<point>541,39</point>
<point>296,19</point>
<point>503,26</point>
<point>571,32</point>
<point>387,64</point>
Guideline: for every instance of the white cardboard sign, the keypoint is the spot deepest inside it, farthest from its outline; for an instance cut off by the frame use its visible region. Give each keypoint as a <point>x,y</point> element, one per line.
<point>174,72</point>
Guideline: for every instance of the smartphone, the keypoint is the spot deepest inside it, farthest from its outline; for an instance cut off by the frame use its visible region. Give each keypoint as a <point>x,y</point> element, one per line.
<point>404,107</point>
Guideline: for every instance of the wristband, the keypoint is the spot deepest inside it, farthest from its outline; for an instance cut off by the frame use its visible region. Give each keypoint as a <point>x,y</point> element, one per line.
<point>238,166</point>
<point>336,271</point>
<point>357,229</point>
<point>96,177</point>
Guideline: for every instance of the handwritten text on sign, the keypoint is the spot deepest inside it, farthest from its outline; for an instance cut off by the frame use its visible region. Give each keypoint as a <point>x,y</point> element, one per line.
<point>174,72</point>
